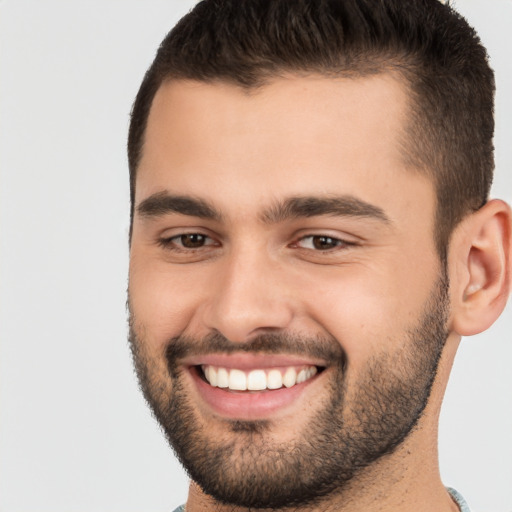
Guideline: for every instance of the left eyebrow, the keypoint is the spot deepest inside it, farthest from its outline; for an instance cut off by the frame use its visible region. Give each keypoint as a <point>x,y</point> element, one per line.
<point>162,203</point>
<point>312,206</point>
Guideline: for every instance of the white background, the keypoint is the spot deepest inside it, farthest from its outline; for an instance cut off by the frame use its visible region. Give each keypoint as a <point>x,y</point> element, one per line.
<point>75,434</point>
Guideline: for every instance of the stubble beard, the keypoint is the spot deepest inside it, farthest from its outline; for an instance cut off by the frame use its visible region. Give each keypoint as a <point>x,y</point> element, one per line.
<point>359,424</point>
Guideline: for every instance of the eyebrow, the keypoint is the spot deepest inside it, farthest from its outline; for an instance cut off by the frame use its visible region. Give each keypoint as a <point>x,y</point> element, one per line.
<point>312,206</point>
<point>163,203</point>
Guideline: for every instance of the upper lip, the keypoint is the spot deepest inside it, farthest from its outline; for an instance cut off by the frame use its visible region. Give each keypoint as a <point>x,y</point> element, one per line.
<point>245,361</point>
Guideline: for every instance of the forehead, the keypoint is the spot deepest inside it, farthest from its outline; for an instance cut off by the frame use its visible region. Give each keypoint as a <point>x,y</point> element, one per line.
<point>294,135</point>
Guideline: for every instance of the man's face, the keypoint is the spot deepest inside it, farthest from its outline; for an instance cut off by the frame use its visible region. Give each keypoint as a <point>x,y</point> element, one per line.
<point>279,243</point>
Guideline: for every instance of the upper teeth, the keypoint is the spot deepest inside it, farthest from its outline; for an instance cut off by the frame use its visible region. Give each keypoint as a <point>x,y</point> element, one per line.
<point>257,380</point>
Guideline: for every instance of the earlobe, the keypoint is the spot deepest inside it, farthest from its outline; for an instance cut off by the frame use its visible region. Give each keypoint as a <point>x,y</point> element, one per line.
<point>481,251</point>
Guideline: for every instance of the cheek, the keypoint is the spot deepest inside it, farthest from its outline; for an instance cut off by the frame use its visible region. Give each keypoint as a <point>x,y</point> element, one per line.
<point>365,309</point>
<point>359,321</point>
<point>162,302</point>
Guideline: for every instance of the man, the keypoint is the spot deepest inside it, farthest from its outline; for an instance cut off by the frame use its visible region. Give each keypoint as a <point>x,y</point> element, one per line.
<point>311,237</point>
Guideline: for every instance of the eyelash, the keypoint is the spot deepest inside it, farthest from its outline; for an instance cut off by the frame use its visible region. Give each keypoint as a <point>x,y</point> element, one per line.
<point>175,243</point>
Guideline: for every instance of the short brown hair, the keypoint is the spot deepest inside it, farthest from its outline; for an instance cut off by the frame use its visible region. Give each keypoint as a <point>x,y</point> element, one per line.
<point>247,42</point>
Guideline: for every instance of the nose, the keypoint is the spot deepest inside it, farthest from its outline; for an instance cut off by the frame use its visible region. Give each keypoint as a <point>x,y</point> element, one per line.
<point>249,296</point>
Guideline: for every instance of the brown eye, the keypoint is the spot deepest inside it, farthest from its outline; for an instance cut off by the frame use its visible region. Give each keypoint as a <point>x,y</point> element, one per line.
<point>193,240</point>
<point>187,242</point>
<point>324,243</point>
<point>320,242</point>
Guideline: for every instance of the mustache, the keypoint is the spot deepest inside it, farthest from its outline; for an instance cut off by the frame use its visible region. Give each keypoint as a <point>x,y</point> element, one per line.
<point>326,348</point>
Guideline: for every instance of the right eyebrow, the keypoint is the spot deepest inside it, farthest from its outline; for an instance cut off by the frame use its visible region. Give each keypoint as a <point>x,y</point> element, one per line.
<point>163,203</point>
<point>312,206</point>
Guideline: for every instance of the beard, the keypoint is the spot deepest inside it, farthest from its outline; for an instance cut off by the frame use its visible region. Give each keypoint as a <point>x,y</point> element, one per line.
<point>356,425</point>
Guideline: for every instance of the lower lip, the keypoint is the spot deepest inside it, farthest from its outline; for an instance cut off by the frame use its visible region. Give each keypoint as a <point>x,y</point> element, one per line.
<point>248,405</point>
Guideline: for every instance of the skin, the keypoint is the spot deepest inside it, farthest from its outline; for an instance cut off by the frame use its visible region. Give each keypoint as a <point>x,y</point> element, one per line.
<point>244,152</point>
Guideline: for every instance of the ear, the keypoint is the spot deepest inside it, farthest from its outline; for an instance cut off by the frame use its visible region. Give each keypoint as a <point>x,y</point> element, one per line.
<point>480,265</point>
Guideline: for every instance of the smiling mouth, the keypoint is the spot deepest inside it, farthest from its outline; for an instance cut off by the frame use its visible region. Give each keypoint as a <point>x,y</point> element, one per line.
<point>234,379</point>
